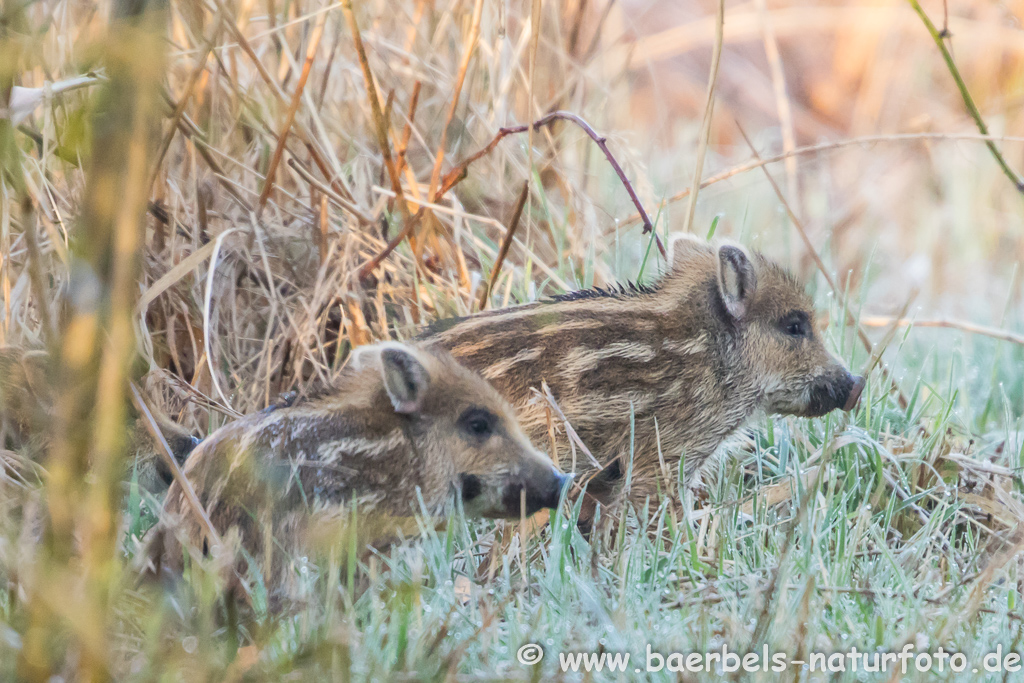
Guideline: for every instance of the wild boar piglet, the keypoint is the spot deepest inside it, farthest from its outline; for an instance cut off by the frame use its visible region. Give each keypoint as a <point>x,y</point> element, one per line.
<point>403,424</point>
<point>655,374</point>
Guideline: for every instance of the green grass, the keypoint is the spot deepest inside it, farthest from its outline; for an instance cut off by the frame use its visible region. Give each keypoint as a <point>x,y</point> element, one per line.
<point>878,551</point>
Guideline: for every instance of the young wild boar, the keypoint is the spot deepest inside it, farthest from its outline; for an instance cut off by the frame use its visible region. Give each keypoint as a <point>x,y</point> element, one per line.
<point>724,334</point>
<point>402,424</point>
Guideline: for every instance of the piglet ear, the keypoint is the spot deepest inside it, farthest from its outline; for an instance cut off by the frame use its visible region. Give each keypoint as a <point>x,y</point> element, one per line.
<point>737,280</point>
<point>405,378</point>
<point>683,247</point>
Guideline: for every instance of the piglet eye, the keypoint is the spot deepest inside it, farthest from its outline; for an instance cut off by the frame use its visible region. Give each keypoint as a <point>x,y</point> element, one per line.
<point>478,422</point>
<point>797,325</point>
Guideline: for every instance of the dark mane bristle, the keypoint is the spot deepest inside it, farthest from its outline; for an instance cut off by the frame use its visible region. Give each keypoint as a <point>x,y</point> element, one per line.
<point>619,291</point>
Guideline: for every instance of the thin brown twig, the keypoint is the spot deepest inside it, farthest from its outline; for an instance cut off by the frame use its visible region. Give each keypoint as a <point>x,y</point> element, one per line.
<point>406,231</point>
<point>282,137</point>
<point>165,452</point>
<point>758,162</point>
<point>506,243</point>
<point>963,326</point>
<point>454,176</point>
<point>861,334</point>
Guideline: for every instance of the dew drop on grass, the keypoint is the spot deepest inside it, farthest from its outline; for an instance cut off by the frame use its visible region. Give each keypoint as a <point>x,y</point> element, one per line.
<point>427,609</point>
<point>190,644</point>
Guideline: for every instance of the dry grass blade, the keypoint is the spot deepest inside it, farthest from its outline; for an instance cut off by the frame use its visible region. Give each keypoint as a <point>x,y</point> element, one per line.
<point>175,274</point>
<point>282,136</point>
<point>709,108</point>
<point>782,102</point>
<point>207,306</point>
<point>547,396</point>
<point>403,146</point>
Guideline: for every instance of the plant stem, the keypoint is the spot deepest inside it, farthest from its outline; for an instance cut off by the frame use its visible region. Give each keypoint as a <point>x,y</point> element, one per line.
<point>972,108</point>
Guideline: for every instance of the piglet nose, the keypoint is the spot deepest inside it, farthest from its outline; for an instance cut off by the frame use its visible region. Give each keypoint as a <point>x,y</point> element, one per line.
<point>855,392</point>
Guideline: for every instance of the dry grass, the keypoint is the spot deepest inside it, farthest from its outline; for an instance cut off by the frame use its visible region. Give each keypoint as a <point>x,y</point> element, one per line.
<point>300,195</point>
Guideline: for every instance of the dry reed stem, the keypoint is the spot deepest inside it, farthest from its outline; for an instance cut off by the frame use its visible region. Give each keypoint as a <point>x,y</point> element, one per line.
<point>467,54</point>
<point>282,137</point>
<point>403,146</point>
<point>380,123</point>
<point>813,253</point>
<point>705,126</point>
<point>95,348</point>
<point>183,101</point>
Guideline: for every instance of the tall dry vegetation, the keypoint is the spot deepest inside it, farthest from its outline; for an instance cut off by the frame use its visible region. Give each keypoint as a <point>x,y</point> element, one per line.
<point>222,200</point>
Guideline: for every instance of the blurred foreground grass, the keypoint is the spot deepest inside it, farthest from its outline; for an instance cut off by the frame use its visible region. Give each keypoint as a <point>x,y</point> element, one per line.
<point>245,134</point>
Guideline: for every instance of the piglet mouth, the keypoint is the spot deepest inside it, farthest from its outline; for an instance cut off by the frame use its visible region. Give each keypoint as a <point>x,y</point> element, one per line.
<point>834,393</point>
<point>534,496</point>
<point>855,391</point>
